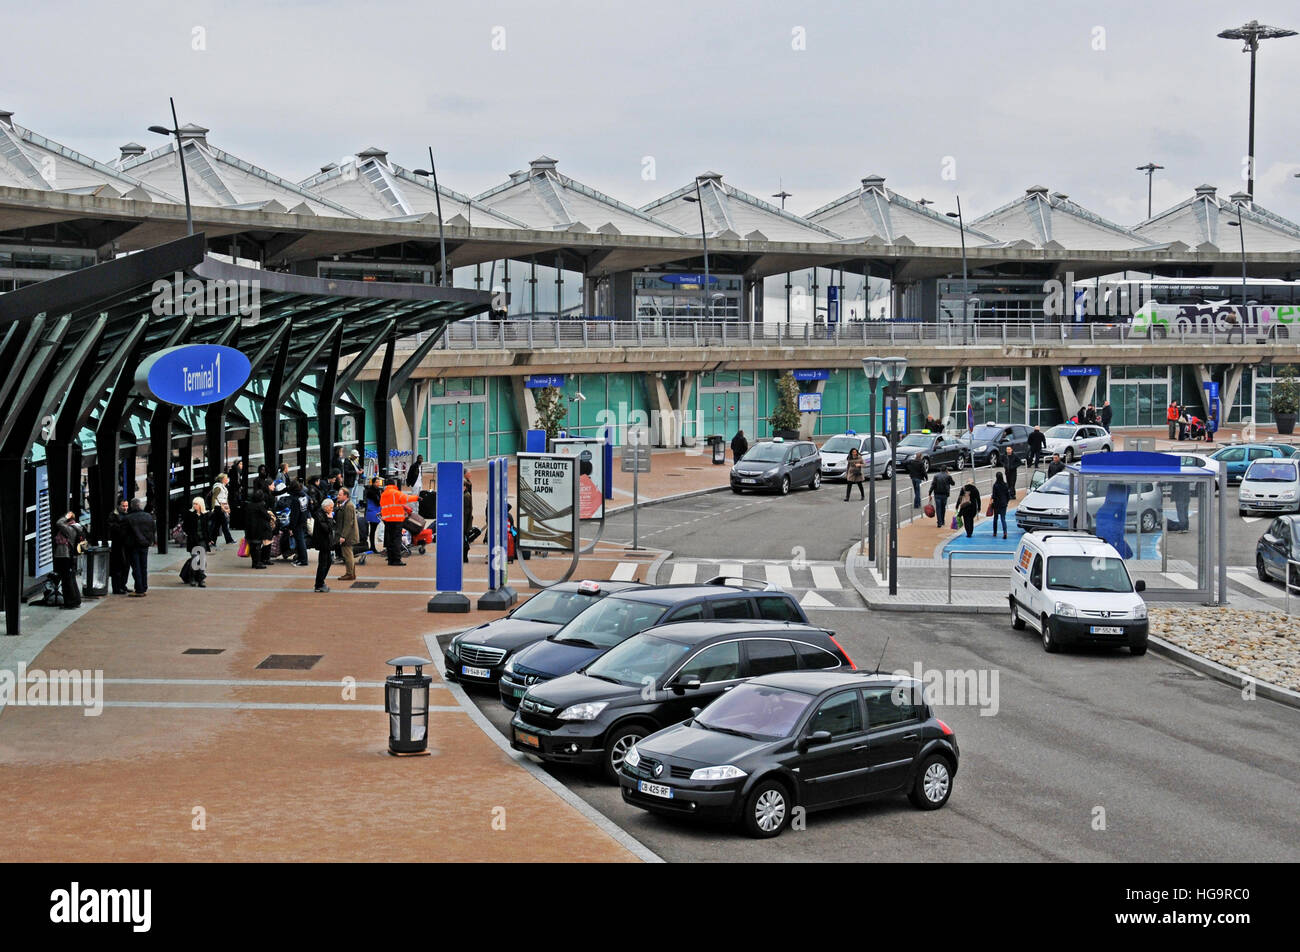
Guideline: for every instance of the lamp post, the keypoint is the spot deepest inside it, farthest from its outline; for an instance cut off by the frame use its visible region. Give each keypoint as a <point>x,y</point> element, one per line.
<point>873,367</point>
<point>1251,33</point>
<point>437,198</point>
<point>1150,169</point>
<point>697,199</point>
<point>175,130</point>
<point>894,368</point>
<point>1239,199</point>
<point>965,285</point>
<point>783,195</point>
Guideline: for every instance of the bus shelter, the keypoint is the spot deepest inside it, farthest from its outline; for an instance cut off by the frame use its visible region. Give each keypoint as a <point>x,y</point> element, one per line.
<point>1168,521</point>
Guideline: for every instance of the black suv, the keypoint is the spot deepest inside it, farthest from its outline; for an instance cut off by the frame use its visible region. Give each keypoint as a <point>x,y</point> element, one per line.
<point>776,464</point>
<point>477,656</point>
<point>623,614</point>
<point>654,679</point>
<point>806,738</point>
<point>989,441</point>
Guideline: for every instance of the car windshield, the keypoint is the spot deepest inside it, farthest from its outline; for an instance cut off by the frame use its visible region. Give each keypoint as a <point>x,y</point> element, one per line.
<point>766,453</point>
<point>610,621</point>
<point>756,710</point>
<point>1085,573</point>
<point>986,431</point>
<point>842,444</point>
<point>1062,432</point>
<point>1271,473</point>
<point>916,439</point>
<point>554,607</point>
<point>1058,485</point>
<point>643,659</point>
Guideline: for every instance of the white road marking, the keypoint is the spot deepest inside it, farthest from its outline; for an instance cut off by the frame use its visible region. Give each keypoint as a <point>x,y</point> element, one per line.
<point>731,570</point>
<point>812,600</point>
<point>779,575</point>
<point>257,706</point>
<point>683,573</point>
<point>624,572</point>
<point>1180,580</point>
<point>1254,584</point>
<point>825,576</point>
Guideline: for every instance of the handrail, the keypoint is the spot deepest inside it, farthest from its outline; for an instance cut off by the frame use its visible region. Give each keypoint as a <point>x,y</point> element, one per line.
<point>1287,584</point>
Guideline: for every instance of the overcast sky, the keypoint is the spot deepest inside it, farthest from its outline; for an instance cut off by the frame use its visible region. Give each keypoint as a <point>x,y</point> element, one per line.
<point>811,95</point>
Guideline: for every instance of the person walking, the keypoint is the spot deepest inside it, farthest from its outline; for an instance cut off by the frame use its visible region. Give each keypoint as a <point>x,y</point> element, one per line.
<point>374,495</point>
<point>219,520</point>
<point>325,535</point>
<point>968,506</point>
<point>468,504</point>
<point>739,446</point>
<point>1001,494</point>
<point>392,512</point>
<point>854,475</point>
<point>414,474</point>
<point>195,523</point>
<point>940,488</point>
<point>141,533</point>
<point>916,470</point>
<point>349,535</point>
<point>119,561</point>
<point>1037,443</point>
<point>352,473</point>
<point>258,525</point>
<point>1107,414</point>
<point>1171,415</point>
<point>69,540</point>
<point>1010,466</point>
<point>300,508</point>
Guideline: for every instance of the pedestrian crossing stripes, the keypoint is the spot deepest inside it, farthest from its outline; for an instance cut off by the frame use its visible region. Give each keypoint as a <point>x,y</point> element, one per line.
<point>1252,582</point>
<point>624,572</point>
<point>814,584</point>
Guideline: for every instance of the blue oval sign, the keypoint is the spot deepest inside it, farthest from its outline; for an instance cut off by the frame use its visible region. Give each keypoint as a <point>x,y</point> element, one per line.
<point>193,375</point>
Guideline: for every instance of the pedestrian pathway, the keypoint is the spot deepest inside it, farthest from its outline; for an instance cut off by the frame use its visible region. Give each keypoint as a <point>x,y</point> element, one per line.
<point>821,585</point>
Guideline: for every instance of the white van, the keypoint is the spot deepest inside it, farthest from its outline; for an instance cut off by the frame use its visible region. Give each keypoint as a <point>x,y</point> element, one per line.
<point>1073,588</point>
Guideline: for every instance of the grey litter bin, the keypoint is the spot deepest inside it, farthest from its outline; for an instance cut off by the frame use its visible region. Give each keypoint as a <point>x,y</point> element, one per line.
<point>719,450</point>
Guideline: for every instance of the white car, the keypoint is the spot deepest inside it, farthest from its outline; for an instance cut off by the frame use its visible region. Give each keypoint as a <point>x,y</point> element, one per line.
<point>1047,506</point>
<point>1072,588</point>
<point>835,455</point>
<point>1202,462</point>
<point>1073,441</point>
<point>1270,485</point>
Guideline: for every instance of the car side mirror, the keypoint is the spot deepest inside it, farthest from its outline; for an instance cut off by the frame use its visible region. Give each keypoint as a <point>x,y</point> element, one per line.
<point>680,687</point>
<point>695,711</point>
<point>813,739</point>
<point>1270,538</point>
<point>1139,586</point>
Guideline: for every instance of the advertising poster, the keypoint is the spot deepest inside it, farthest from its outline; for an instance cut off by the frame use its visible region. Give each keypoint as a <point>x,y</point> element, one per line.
<point>546,497</point>
<point>590,454</point>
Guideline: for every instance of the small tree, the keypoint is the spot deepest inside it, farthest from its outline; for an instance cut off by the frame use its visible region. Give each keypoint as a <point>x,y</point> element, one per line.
<point>551,410</point>
<point>1286,392</point>
<point>786,415</point>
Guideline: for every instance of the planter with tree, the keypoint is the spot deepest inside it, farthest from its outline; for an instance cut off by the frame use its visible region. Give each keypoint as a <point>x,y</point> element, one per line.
<point>1285,397</point>
<point>785,419</point>
<point>551,411</point>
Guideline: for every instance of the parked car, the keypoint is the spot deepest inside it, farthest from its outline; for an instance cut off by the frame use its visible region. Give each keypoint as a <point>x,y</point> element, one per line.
<point>1270,485</point>
<point>809,739</point>
<point>1202,462</point>
<point>477,656</point>
<point>835,455</point>
<point>1074,440</point>
<point>1047,506</point>
<point>1073,588</point>
<point>779,465</point>
<point>1276,548</point>
<point>653,679</point>
<point>1237,458</point>
<point>932,450</point>
<point>989,441</point>
<point>623,614</point>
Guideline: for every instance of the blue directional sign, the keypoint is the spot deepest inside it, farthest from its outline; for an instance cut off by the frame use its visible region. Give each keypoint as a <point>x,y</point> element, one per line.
<point>687,279</point>
<point>1080,371</point>
<point>812,375</point>
<point>193,375</point>
<point>540,381</point>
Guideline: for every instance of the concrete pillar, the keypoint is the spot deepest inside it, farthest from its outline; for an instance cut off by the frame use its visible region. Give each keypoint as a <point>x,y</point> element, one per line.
<point>808,421</point>
<point>525,406</point>
<point>664,421</point>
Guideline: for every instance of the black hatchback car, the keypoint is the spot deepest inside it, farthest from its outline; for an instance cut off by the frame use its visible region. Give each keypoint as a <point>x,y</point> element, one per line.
<point>802,738</point>
<point>477,656</point>
<point>1277,549</point>
<point>654,679</point>
<point>778,465</point>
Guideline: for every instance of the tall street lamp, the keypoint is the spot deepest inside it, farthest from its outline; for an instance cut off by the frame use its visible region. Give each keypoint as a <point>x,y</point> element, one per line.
<point>965,286</point>
<point>873,367</point>
<point>1150,169</point>
<point>175,130</point>
<point>432,172</point>
<point>894,368</point>
<point>1239,199</point>
<point>783,195</point>
<point>697,199</point>
<point>1251,33</point>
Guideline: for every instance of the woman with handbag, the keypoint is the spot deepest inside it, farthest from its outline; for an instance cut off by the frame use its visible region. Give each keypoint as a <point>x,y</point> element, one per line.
<point>1001,497</point>
<point>968,506</point>
<point>195,524</point>
<point>69,542</point>
<point>853,475</point>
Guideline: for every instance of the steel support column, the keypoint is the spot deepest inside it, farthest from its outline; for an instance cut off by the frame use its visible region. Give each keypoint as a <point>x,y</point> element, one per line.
<point>325,430</point>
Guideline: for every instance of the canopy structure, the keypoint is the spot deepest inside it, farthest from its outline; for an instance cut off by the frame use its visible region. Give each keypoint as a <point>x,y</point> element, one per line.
<point>75,342</point>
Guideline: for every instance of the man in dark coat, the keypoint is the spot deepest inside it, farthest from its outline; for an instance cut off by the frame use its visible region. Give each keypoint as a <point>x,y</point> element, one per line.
<point>141,533</point>
<point>349,534</point>
<point>325,535</point>
<point>257,527</point>
<point>1055,466</point>
<point>119,562</point>
<point>1107,414</point>
<point>68,536</point>
<point>1037,443</point>
<point>940,489</point>
<point>968,506</point>
<point>300,508</point>
<point>1001,498</point>
<point>739,446</point>
<point>1010,466</point>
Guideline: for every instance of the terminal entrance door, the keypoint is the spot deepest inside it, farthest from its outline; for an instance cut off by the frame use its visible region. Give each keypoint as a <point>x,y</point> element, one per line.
<point>457,430</point>
<point>726,411</point>
<point>998,403</point>
<point>1139,402</point>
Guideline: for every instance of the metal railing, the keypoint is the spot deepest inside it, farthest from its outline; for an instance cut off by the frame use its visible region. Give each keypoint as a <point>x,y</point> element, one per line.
<point>965,552</point>
<point>1287,584</point>
<point>576,333</point>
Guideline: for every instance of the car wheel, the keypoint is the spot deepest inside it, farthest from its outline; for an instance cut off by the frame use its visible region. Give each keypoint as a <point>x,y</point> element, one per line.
<point>925,465</point>
<point>785,485</point>
<point>1017,622</point>
<point>933,784</point>
<point>767,809</point>
<point>1261,569</point>
<point>889,471</point>
<point>1150,519</point>
<point>1107,448</point>
<point>617,743</point>
<point>1050,644</point>
<point>816,481</point>
<point>1241,512</point>
<point>737,490</point>
<point>1068,455</point>
<point>961,462</point>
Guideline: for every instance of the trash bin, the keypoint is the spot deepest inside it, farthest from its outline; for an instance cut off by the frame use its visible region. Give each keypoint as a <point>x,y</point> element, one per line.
<point>1141,445</point>
<point>719,450</point>
<point>406,702</point>
<point>96,583</point>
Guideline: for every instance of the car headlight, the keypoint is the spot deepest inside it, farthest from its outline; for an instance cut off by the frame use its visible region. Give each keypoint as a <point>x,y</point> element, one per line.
<point>772,471</point>
<point>1065,610</point>
<point>632,757</point>
<point>725,772</point>
<point>1289,494</point>
<point>454,648</point>
<point>583,712</point>
<point>983,448</point>
<point>1141,611</point>
<point>918,455</point>
<point>510,666</point>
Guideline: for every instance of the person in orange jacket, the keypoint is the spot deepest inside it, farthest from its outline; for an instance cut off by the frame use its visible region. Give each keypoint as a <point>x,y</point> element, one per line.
<point>393,512</point>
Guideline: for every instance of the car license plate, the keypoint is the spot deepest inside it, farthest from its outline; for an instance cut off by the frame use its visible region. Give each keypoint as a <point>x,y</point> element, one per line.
<point>1106,630</point>
<point>655,789</point>
<point>475,672</point>
<point>749,480</point>
<point>528,740</point>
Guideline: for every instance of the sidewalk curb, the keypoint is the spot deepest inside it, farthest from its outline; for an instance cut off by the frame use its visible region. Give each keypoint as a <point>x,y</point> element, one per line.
<point>1223,673</point>
<point>874,604</point>
<point>598,819</point>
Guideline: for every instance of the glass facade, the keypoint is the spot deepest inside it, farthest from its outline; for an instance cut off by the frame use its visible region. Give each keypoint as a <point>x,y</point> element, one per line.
<point>1139,395</point>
